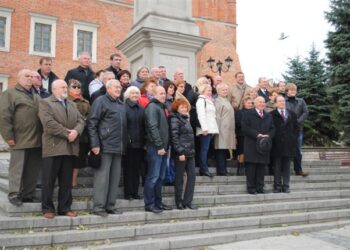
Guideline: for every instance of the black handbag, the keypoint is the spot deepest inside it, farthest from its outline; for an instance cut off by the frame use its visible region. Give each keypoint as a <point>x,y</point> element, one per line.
<point>94,161</point>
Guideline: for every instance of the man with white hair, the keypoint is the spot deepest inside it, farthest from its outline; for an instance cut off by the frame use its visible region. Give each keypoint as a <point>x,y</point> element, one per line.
<point>155,72</point>
<point>38,85</point>
<point>62,124</point>
<point>83,73</point>
<point>258,130</point>
<point>108,137</point>
<point>21,129</point>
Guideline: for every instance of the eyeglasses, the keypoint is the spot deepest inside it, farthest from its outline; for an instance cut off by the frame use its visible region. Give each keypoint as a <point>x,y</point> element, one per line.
<point>76,87</point>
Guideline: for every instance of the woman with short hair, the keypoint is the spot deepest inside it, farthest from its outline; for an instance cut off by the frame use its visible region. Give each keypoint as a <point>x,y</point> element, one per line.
<point>147,91</point>
<point>207,126</point>
<point>142,74</point>
<point>132,161</point>
<point>183,151</point>
<point>75,95</point>
<point>225,118</point>
<point>124,78</point>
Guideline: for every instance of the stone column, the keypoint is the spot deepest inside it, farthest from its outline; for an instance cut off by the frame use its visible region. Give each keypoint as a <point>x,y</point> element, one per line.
<point>164,33</point>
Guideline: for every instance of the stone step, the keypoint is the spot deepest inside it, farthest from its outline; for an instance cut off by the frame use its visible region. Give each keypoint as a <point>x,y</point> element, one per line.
<point>177,230</point>
<point>204,240</point>
<point>138,205</point>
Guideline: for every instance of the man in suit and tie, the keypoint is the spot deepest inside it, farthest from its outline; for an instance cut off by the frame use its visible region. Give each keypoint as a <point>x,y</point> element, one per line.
<point>256,125</point>
<point>284,144</point>
<point>62,125</point>
<point>263,88</point>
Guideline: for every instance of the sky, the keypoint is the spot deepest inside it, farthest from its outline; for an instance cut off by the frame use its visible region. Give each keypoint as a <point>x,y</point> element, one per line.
<point>260,24</point>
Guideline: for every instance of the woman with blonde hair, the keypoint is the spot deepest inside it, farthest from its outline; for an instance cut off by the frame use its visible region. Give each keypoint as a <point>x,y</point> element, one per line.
<point>142,74</point>
<point>225,118</point>
<point>207,126</point>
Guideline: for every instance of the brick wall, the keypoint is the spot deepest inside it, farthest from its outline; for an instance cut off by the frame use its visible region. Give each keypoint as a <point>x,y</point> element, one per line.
<point>216,19</point>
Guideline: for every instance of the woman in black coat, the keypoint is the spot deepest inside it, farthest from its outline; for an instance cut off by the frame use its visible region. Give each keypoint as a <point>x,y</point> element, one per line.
<point>284,144</point>
<point>247,105</point>
<point>183,150</point>
<point>133,160</point>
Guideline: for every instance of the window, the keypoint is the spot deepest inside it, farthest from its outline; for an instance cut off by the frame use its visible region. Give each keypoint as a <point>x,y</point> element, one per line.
<point>84,39</point>
<point>3,82</point>
<point>42,35</point>
<point>5,28</point>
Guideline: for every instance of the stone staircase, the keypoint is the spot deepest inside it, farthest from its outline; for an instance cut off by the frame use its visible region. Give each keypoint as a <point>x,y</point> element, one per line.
<point>226,214</point>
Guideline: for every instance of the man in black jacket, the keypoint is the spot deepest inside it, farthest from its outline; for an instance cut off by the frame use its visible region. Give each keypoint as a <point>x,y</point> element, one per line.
<point>107,125</point>
<point>116,60</point>
<point>284,144</point>
<point>256,124</point>
<point>47,76</point>
<point>82,73</point>
<point>157,131</point>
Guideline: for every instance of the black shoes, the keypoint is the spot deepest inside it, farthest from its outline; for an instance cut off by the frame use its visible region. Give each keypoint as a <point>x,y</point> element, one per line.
<point>261,191</point>
<point>16,201</point>
<point>100,213</point>
<point>164,207</point>
<point>113,211</point>
<point>286,190</point>
<point>224,174</point>
<point>179,206</point>
<point>136,197</point>
<point>277,190</point>
<point>153,210</point>
<point>252,192</point>
<point>30,200</point>
<point>190,206</point>
<point>206,174</point>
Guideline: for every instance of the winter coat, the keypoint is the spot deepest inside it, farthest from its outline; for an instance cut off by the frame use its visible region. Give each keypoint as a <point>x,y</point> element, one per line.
<point>107,125</point>
<point>285,139</point>
<point>56,120</point>
<point>206,113</point>
<point>157,127</point>
<point>299,107</point>
<point>225,118</point>
<point>182,137</point>
<point>19,119</point>
<point>252,125</point>
<point>135,116</point>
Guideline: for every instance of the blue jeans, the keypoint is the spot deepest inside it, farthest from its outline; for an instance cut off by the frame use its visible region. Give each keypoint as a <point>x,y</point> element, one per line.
<point>154,179</point>
<point>203,154</point>
<point>297,159</point>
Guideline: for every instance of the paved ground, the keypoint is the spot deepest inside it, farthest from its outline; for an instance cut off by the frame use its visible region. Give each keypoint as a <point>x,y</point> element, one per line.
<point>335,239</point>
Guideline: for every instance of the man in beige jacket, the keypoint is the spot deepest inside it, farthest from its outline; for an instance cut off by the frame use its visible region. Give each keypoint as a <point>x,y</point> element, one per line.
<point>238,91</point>
<point>62,124</point>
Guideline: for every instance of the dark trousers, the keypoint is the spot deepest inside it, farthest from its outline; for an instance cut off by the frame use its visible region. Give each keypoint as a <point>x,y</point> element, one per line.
<point>24,168</point>
<point>298,158</point>
<point>132,163</point>
<point>221,156</point>
<point>154,179</point>
<point>281,169</point>
<point>203,154</point>
<point>180,167</point>
<point>60,167</point>
<point>255,176</point>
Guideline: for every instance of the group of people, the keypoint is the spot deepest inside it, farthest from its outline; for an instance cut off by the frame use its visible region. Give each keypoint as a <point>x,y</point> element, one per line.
<point>143,127</point>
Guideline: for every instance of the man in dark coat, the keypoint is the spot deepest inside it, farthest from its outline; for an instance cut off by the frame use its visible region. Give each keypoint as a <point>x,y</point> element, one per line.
<point>284,144</point>
<point>299,107</point>
<point>157,131</point>
<point>82,73</point>
<point>116,60</point>
<point>107,127</point>
<point>256,124</point>
<point>263,85</point>
<point>47,75</point>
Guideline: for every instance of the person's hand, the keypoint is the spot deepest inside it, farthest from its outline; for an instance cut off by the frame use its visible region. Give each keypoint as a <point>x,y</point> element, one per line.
<point>182,158</point>
<point>73,134</point>
<point>205,133</point>
<point>95,150</point>
<point>161,151</point>
<point>259,136</point>
<point>11,142</point>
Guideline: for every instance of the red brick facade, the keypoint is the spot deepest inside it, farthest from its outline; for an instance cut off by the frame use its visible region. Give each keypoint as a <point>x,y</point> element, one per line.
<point>216,19</point>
